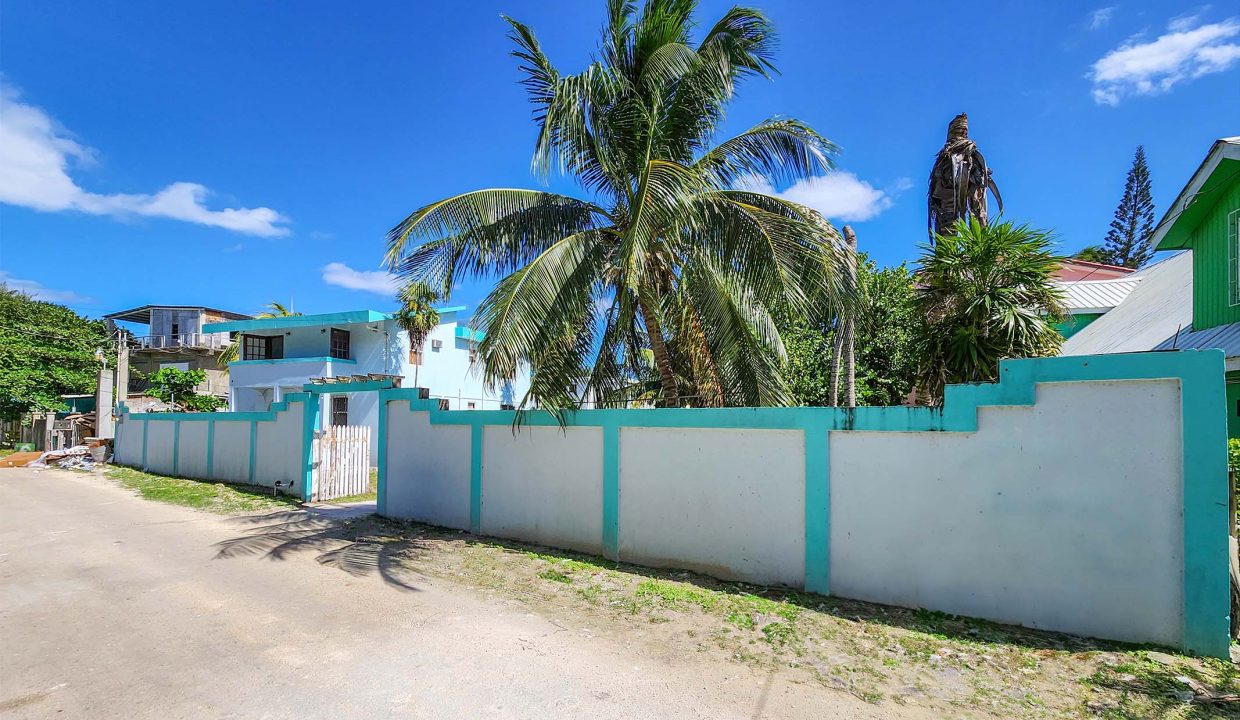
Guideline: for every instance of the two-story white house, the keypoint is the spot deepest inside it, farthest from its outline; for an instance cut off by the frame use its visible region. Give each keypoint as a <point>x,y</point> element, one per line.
<point>281,354</point>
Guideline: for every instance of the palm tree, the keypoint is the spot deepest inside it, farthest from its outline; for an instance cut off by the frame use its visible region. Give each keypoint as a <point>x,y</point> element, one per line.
<point>233,351</point>
<point>985,293</point>
<point>668,254</point>
<point>417,316</point>
<point>959,180</point>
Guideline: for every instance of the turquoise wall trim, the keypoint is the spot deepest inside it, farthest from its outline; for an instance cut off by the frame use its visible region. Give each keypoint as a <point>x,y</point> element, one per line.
<point>475,476</point>
<point>253,450</point>
<point>211,449</point>
<point>1200,374</point>
<point>817,508</point>
<point>277,361</point>
<point>176,447</point>
<point>275,323</point>
<point>309,428</point>
<point>381,483</point>
<point>611,491</point>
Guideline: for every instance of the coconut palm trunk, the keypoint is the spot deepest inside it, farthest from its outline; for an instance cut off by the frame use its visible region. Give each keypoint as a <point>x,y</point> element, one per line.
<point>959,179</point>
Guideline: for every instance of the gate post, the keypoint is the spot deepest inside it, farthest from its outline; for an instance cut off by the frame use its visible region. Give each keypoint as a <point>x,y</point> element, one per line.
<point>309,427</point>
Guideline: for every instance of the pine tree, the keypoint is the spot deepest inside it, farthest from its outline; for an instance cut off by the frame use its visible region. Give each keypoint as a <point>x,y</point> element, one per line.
<point>1128,240</point>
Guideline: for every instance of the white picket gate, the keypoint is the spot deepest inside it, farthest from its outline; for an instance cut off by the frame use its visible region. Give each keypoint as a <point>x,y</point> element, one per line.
<point>341,462</point>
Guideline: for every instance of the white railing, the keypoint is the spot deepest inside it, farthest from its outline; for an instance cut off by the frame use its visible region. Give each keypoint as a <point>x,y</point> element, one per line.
<point>197,341</point>
<point>341,457</point>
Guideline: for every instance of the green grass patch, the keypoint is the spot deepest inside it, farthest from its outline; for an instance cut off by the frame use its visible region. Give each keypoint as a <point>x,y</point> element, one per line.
<point>1147,688</point>
<point>220,498</point>
<point>555,576</point>
<point>369,496</point>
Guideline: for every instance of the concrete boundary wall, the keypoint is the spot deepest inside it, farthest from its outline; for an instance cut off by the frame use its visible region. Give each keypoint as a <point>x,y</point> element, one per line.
<point>1081,494</point>
<point>254,448</point>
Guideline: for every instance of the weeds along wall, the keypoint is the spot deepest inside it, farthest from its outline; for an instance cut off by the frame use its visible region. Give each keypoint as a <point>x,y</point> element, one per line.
<point>1079,494</point>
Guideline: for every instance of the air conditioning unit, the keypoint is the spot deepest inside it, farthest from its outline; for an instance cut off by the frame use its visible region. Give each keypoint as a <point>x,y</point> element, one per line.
<point>436,344</point>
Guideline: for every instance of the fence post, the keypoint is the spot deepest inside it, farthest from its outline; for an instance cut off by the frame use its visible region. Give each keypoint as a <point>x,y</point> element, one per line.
<point>309,426</point>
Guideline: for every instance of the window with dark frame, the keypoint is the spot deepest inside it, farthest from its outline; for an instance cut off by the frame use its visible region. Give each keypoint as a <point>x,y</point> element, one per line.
<point>340,410</point>
<point>340,344</point>
<point>260,347</point>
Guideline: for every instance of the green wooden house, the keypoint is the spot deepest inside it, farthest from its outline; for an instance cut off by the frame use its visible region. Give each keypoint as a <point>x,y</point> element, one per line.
<point>1204,219</point>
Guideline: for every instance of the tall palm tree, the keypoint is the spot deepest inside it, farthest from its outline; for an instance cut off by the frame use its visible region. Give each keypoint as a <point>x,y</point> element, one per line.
<point>959,179</point>
<point>233,351</point>
<point>417,316</point>
<point>666,254</point>
<point>985,293</point>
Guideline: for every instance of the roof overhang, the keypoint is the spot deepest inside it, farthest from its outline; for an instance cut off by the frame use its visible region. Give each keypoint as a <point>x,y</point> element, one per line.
<point>289,321</point>
<point>143,314</point>
<point>1185,214</point>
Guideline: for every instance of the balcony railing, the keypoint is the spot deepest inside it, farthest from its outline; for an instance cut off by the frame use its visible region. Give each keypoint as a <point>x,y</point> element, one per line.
<point>189,341</point>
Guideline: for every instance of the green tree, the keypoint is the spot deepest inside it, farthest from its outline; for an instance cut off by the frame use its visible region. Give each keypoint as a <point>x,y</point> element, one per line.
<point>178,389</point>
<point>1128,240</point>
<point>984,293</point>
<point>233,351</point>
<point>668,255</point>
<point>886,357</point>
<point>1093,253</point>
<point>46,350</point>
<point>417,316</point>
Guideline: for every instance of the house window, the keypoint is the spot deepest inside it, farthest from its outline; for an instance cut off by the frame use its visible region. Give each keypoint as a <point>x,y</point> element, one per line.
<point>340,410</point>
<point>1233,257</point>
<point>340,344</point>
<point>176,330</point>
<point>259,347</point>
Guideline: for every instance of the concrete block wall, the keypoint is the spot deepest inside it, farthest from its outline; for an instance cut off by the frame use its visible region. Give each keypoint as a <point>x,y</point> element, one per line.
<point>1079,494</point>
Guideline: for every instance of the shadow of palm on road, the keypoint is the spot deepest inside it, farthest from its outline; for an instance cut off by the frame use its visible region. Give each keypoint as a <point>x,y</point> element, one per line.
<point>358,546</point>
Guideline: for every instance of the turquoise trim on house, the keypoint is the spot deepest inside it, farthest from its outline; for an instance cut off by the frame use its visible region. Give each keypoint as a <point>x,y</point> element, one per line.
<point>176,446</point>
<point>211,449</point>
<point>1204,429</point>
<point>611,491</point>
<point>276,323</point>
<point>475,477</point>
<point>350,317</point>
<point>470,334</point>
<point>253,450</point>
<point>277,361</point>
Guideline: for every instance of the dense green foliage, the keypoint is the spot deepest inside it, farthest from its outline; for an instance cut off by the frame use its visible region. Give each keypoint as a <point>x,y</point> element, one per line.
<point>176,387</point>
<point>1128,240</point>
<point>985,293</point>
<point>46,350</point>
<point>1094,253</point>
<point>667,257</point>
<point>1233,453</point>
<point>886,360</point>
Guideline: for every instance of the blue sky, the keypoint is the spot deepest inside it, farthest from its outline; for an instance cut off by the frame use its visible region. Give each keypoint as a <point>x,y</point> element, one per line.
<point>234,153</point>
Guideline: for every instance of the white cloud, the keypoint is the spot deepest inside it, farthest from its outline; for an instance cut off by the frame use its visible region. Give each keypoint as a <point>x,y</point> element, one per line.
<point>35,155</point>
<point>838,196</point>
<point>1101,17</point>
<point>1187,50</point>
<point>375,281</point>
<point>38,292</point>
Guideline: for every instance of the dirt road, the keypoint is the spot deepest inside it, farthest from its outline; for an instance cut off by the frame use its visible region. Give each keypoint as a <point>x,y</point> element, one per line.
<point>115,607</point>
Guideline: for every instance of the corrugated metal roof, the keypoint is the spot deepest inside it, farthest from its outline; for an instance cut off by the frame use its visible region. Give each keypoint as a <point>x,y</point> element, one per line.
<point>1223,337</point>
<point>1097,295</point>
<point>1160,305</point>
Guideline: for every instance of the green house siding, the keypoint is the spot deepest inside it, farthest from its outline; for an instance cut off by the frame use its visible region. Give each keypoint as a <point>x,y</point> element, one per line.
<point>1233,405</point>
<point>1213,269</point>
<point>1075,323</point>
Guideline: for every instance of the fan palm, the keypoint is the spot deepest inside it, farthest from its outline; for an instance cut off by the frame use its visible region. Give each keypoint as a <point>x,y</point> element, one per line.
<point>417,316</point>
<point>667,255</point>
<point>233,351</point>
<point>985,293</point>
